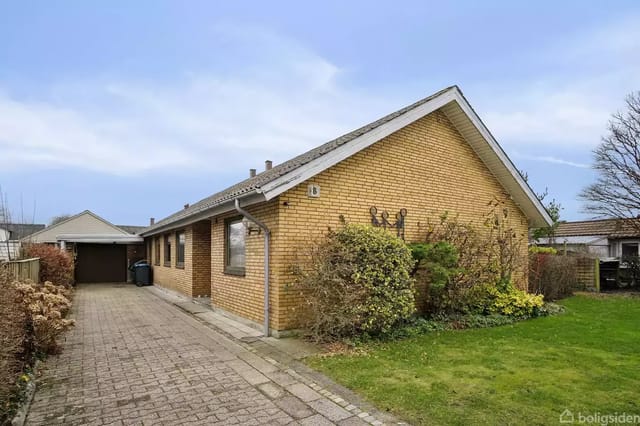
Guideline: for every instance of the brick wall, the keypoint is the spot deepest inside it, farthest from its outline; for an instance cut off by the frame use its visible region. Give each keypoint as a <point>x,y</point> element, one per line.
<point>200,262</point>
<point>193,278</point>
<point>135,252</point>
<point>427,168</point>
<point>244,295</point>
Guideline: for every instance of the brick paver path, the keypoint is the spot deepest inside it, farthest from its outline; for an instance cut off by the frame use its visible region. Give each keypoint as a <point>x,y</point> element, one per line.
<point>132,358</point>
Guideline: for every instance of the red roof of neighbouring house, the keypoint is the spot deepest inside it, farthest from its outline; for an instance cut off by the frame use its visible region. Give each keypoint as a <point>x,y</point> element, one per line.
<point>617,228</point>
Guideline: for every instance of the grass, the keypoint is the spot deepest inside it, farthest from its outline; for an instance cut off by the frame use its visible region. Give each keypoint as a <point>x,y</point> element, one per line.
<point>586,360</point>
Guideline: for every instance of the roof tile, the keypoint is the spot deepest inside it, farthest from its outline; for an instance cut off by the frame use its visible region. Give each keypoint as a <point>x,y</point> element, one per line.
<point>251,184</point>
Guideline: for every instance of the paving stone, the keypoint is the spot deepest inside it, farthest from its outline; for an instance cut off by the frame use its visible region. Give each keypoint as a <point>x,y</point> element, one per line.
<point>271,390</point>
<point>316,420</point>
<point>330,409</point>
<point>281,378</point>
<point>133,358</point>
<point>304,392</point>
<point>247,372</point>
<point>258,363</point>
<point>294,407</point>
<point>352,421</point>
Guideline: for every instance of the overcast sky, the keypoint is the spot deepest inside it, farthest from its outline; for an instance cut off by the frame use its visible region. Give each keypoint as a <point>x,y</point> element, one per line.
<point>131,109</point>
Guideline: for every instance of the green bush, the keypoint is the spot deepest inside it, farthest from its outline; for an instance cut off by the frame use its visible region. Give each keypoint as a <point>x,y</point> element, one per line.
<point>436,266</point>
<point>511,302</point>
<point>359,282</point>
<point>542,250</point>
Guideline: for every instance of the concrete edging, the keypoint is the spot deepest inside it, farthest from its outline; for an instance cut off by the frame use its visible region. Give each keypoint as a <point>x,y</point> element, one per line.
<point>21,415</point>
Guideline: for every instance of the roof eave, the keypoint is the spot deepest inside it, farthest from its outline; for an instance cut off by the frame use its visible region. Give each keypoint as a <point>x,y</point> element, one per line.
<point>251,198</point>
<point>527,200</point>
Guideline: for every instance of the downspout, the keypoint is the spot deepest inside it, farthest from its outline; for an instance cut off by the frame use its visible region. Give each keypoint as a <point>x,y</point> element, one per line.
<point>267,239</point>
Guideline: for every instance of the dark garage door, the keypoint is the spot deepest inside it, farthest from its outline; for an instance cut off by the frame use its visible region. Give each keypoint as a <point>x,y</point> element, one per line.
<point>101,263</point>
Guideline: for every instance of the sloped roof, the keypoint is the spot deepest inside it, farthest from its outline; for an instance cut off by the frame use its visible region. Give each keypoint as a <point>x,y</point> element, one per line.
<point>132,229</point>
<point>272,182</point>
<point>20,230</point>
<point>85,222</point>
<point>613,228</point>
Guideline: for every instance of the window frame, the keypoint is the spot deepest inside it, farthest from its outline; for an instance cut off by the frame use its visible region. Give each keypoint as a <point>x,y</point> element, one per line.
<point>167,250</point>
<point>233,270</point>
<point>180,248</point>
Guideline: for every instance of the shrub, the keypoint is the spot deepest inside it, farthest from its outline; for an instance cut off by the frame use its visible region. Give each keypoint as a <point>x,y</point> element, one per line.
<point>515,303</point>
<point>512,302</point>
<point>358,282</point>
<point>436,265</point>
<point>47,304</point>
<point>15,344</point>
<point>55,265</point>
<point>552,276</point>
<point>542,250</point>
<point>443,322</point>
<point>470,245</point>
<point>491,252</point>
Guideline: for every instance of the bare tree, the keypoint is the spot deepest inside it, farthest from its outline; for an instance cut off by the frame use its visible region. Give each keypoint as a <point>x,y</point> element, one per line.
<point>5,220</point>
<point>553,207</point>
<point>616,192</point>
<point>59,218</point>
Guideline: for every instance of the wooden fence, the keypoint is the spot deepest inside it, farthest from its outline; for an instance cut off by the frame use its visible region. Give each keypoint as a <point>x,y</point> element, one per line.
<point>588,273</point>
<point>27,269</point>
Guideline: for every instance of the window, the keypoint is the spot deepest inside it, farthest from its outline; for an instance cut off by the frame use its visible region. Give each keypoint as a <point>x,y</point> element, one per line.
<point>180,239</point>
<point>156,250</point>
<point>629,249</point>
<point>234,246</point>
<point>167,250</point>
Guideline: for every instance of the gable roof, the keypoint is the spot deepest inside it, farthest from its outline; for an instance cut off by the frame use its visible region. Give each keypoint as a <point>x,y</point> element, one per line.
<point>85,222</point>
<point>612,228</point>
<point>269,184</point>
<point>20,230</point>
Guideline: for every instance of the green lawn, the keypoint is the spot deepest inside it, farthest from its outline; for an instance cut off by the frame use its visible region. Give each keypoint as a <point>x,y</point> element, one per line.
<point>586,360</point>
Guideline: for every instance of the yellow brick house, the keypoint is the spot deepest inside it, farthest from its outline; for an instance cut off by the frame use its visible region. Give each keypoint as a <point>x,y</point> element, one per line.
<point>237,245</point>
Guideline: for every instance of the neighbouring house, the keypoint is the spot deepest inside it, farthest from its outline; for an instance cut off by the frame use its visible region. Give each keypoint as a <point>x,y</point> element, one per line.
<point>604,238</point>
<point>101,251</point>
<point>613,243</point>
<point>405,169</point>
<point>10,236</point>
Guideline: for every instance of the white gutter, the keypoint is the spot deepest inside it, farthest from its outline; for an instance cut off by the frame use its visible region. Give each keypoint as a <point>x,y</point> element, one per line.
<point>267,239</point>
<point>203,214</point>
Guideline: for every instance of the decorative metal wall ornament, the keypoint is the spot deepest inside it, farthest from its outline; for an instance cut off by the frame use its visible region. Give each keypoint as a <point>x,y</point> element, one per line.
<point>384,222</point>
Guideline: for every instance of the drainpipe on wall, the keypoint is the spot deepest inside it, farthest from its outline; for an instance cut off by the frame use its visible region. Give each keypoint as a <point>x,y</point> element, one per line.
<point>267,239</point>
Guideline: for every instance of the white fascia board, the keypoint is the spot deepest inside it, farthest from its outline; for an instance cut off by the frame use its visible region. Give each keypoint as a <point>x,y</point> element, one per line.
<point>99,238</point>
<point>289,180</point>
<point>210,213</point>
<point>486,134</point>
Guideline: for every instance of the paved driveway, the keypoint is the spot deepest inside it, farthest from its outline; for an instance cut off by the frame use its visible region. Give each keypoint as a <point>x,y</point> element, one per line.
<point>133,358</point>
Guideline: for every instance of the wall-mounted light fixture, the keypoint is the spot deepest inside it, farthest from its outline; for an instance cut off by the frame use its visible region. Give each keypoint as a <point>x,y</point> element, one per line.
<point>251,227</point>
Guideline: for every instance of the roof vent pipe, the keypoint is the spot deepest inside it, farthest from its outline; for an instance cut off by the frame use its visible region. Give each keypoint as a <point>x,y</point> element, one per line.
<point>267,238</point>
<point>268,164</point>
<point>252,172</point>
<point>152,221</point>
